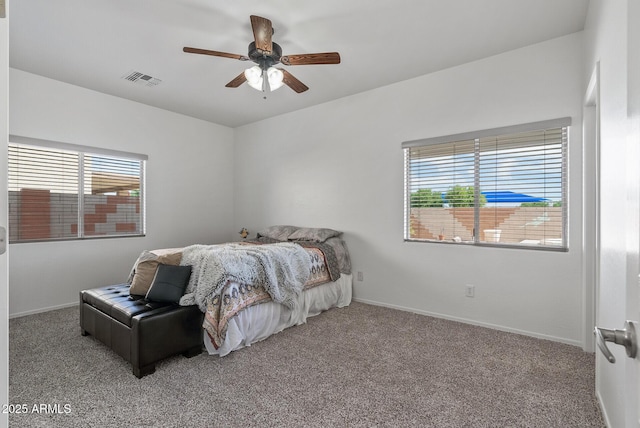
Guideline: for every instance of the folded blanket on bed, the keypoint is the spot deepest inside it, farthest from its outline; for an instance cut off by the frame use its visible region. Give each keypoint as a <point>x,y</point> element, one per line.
<point>282,269</point>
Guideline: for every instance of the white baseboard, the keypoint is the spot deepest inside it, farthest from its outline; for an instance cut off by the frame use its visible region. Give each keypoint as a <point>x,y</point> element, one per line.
<point>375,303</point>
<point>473,322</point>
<point>40,310</point>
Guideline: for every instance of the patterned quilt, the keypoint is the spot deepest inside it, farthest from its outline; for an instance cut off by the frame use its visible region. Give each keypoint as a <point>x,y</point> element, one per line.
<point>235,297</point>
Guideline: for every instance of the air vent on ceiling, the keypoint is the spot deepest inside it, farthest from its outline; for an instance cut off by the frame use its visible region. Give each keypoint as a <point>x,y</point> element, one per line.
<point>141,78</point>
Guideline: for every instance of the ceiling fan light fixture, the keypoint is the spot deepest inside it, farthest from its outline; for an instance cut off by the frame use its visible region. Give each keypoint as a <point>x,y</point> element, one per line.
<point>254,77</point>
<point>276,78</point>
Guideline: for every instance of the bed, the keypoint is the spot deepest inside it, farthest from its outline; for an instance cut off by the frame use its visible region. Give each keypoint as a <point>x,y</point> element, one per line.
<point>252,289</point>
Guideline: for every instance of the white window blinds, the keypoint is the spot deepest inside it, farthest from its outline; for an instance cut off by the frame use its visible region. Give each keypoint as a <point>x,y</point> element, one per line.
<point>59,191</point>
<point>503,187</point>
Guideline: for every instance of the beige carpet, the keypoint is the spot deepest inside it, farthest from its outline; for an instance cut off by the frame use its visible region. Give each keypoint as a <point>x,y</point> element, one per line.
<point>360,366</point>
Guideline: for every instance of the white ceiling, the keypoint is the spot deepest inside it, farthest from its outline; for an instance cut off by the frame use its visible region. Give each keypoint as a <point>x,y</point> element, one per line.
<point>94,43</point>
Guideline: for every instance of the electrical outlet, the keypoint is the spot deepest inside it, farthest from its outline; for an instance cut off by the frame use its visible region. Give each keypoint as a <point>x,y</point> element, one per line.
<point>360,276</point>
<point>470,291</point>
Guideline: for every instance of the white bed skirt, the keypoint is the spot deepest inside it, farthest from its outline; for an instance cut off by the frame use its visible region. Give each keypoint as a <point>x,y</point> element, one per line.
<point>258,322</point>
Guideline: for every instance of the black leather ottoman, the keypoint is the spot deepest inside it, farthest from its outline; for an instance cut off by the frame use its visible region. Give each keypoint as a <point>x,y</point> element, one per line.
<point>140,331</point>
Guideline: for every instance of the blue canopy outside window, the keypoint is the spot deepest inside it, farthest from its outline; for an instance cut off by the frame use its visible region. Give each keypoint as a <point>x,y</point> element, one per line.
<point>510,197</point>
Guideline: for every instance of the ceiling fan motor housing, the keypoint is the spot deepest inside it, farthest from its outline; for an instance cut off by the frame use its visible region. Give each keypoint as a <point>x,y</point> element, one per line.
<point>261,58</point>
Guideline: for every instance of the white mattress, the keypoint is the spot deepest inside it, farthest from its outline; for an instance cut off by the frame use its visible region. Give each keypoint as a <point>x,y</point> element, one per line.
<point>258,322</point>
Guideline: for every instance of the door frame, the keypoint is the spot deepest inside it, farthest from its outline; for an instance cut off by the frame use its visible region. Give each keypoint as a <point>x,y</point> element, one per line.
<point>591,208</point>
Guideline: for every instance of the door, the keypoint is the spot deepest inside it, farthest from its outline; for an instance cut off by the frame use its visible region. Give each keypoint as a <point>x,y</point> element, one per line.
<point>618,296</point>
<point>633,286</point>
<point>4,134</point>
<point>618,260</point>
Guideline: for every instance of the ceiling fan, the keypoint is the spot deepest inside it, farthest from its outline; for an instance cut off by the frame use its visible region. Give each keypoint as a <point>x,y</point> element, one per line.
<point>266,54</point>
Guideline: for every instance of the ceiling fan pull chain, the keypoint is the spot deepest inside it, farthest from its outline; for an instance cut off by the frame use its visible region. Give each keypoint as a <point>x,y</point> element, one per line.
<point>265,81</point>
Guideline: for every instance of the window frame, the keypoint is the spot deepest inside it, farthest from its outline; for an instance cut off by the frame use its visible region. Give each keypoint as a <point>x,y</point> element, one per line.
<point>563,123</point>
<point>82,152</point>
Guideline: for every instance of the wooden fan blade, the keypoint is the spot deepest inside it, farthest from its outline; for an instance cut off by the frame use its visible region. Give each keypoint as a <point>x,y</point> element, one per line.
<point>239,80</point>
<point>215,53</point>
<point>314,58</point>
<point>262,32</point>
<point>292,82</point>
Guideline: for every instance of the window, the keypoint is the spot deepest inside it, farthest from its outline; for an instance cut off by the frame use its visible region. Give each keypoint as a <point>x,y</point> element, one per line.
<point>62,191</point>
<point>503,187</point>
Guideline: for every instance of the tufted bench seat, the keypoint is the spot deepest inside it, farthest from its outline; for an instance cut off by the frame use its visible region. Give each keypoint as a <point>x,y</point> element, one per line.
<point>140,331</point>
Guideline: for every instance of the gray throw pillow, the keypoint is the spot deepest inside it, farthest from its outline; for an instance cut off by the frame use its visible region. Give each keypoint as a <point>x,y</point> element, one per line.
<point>317,234</point>
<point>169,283</point>
<point>279,232</point>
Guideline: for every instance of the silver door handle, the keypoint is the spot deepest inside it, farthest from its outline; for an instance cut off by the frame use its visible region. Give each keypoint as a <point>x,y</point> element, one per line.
<point>626,337</point>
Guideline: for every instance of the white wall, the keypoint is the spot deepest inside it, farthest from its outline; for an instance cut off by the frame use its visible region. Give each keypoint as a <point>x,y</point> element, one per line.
<point>340,165</point>
<point>336,165</point>
<point>188,193</point>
